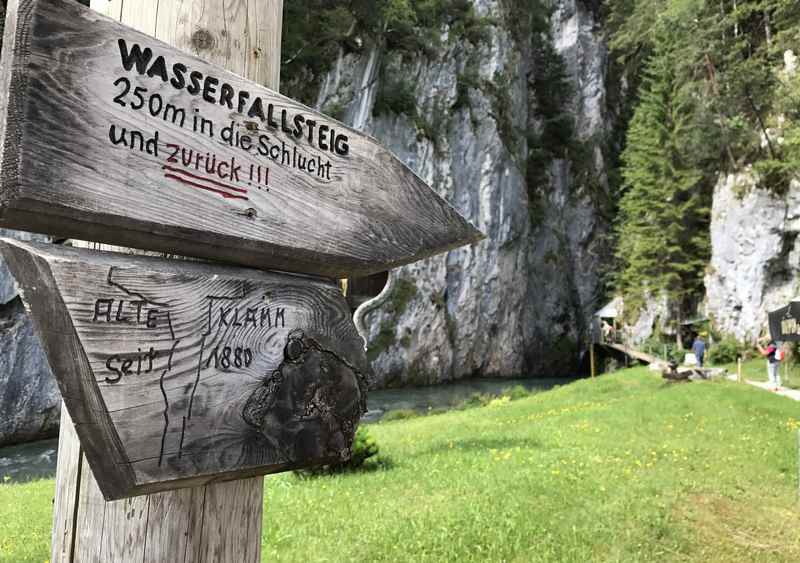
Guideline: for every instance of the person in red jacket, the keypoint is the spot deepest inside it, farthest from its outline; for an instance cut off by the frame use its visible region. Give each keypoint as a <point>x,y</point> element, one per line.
<point>772,354</point>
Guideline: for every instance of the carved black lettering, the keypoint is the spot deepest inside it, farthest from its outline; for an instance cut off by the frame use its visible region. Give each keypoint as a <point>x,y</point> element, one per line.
<point>134,137</point>
<point>322,137</point>
<point>159,68</point>
<point>175,114</point>
<point>152,355</point>
<point>174,156</point>
<point>312,125</point>
<point>112,369</point>
<point>271,116</point>
<point>179,79</point>
<point>195,77</point>
<point>138,305</point>
<point>225,358</point>
<point>119,318</point>
<point>135,57</point>
<point>280,314</point>
<point>117,139</point>
<point>126,87</point>
<point>155,104</point>
<point>209,89</point>
<point>98,312</point>
<point>266,317</point>
<point>341,145</point>
<point>284,123</point>
<point>250,317</point>
<point>152,318</point>
<point>263,145</point>
<point>244,95</point>
<point>298,125</point>
<point>226,95</point>
<point>257,109</point>
<point>223,316</point>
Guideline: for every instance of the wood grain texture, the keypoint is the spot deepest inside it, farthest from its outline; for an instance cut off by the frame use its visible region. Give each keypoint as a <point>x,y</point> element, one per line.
<point>240,34</point>
<point>179,373</point>
<point>65,503</point>
<point>173,529</point>
<point>87,155</point>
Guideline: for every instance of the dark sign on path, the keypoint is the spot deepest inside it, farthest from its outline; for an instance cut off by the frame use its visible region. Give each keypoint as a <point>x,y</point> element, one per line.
<point>178,373</point>
<point>110,135</point>
<point>784,323</point>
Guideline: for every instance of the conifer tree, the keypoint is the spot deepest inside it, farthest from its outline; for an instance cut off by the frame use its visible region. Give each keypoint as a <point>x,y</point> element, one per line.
<point>664,210</point>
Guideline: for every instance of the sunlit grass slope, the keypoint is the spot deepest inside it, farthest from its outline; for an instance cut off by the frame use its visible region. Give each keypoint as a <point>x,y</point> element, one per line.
<point>622,468</point>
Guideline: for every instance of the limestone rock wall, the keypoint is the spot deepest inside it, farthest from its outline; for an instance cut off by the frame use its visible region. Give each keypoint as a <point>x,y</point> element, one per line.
<point>519,302</point>
<point>755,263</point>
<point>516,304</point>
<point>30,403</point>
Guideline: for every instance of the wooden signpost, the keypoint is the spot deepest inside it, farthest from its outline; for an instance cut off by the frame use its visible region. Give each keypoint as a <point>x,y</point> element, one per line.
<point>177,373</point>
<point>184,379</point>
<point>110,135</point>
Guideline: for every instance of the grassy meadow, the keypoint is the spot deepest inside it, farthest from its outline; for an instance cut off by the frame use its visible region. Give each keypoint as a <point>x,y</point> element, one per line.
<point>621,468</point>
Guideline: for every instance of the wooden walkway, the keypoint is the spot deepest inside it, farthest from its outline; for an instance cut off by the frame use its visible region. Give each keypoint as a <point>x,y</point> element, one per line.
<point>632,352</point>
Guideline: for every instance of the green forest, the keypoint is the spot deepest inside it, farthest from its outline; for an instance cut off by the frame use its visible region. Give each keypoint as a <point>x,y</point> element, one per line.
<point>711,96</point>
<point>703,91</point>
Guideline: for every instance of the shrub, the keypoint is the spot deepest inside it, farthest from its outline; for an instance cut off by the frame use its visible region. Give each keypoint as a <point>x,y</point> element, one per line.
<point>516,392</point>
<point>399,414</point>
<point>499,401</point>
<point>364,447</point>
<point>724,352</point>
<point>476,400</point>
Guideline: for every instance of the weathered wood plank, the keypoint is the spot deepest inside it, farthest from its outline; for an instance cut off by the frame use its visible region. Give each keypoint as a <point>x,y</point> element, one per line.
<point>173,530</point>
<point>217,540</point>
<point>181,373</point>
<point>170,522</point>
<point>113,136</point>
<point>90,518</point>
<point>123,534</point>
<point>66,495</point>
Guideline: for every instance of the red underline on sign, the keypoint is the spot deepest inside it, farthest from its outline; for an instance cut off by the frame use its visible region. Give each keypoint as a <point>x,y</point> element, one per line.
<point>223,193</point>
<point>204,178</point>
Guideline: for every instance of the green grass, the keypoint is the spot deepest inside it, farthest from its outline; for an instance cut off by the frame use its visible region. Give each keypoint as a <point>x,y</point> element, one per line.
<point>756,370</point>
<point>622,468</point>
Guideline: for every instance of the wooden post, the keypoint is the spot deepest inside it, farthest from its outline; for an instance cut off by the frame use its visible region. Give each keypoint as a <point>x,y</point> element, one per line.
<point>739,370</point>
<point>218,522</point>
<point>592,360</point>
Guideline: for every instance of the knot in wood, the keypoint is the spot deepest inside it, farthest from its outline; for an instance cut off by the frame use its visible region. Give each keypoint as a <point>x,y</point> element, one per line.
<point>202,39</point>
<point>250,213</point>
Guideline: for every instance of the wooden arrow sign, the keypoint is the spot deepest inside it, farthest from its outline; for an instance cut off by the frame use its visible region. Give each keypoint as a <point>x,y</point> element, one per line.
<point>178,373</point>
<point>110,135</point>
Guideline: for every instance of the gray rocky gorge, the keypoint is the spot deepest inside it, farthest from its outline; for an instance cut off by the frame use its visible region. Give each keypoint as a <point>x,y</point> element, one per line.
<point>30,403</point>
<point>518,302</point>
<point>755,258</point>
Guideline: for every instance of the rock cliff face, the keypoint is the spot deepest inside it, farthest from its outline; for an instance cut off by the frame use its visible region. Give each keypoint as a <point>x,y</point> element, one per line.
<point>518,302</point>
<point>755,260</point>
<point>29,399</point>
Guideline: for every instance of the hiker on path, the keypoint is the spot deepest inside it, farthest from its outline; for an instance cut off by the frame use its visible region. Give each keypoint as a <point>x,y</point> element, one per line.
<point>699,349</point>
<point>774,356</point>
